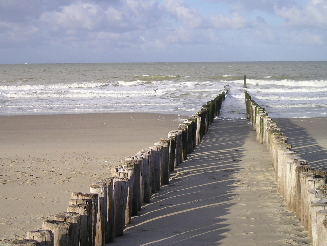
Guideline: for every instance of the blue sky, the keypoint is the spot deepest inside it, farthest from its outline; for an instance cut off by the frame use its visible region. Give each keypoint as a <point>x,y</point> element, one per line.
<point>84,31</point>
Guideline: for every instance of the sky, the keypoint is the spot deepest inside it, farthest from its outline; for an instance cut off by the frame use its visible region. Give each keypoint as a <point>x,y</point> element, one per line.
<point>106,31</point>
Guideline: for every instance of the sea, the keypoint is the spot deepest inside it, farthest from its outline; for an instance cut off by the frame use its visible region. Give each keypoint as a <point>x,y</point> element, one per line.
<point>284,89</point>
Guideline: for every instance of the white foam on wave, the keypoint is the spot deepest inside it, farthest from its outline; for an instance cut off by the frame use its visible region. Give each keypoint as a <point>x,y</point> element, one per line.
<point>290,98</point>
<point>288,83</point>
<point>135,96</point>
<point>159,93</point>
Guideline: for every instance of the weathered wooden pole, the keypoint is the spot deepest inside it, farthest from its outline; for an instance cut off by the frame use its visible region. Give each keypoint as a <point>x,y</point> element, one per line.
<point>130,183</point>
<point>177,134</point>
<point>136,200</point>
<point>156,163</point>
<point>120,199</point>
<point>244,85</point>
<point>43,237</point>
<point>172,149</point>
<point>322,228</point>
<point>164,174</point>
<point>144,156</point>
<point>84,208</point>
<point>183,129</point>
<point>198,129</point>
<point>93,201</point>
<point>75,220</point>
<point>109,227</point>
<point>61,232</point>
<point>100,189</point>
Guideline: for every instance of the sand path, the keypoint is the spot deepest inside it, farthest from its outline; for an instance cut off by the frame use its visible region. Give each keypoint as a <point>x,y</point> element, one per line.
<point>223,194</point>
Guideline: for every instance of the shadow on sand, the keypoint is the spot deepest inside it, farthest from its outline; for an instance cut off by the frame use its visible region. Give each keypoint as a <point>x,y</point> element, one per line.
<point>304,144</point>
<point>189,210</point>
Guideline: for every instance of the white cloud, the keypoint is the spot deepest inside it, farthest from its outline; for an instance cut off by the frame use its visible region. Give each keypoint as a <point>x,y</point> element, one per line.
<point>100,26</point>
<point>189,17</point>
<point>235,22</point>
<point>304,38</point>
<point>313,14</point>
<point>79,15</point>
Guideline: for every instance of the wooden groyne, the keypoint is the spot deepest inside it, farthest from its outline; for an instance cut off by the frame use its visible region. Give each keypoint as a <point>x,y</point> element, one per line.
<point>100,216</point>
<point>303,188</point>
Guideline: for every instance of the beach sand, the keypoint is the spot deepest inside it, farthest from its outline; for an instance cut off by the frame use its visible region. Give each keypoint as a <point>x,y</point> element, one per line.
<point>43,159</point>
<point>46,158</point>
<point>308,137</point>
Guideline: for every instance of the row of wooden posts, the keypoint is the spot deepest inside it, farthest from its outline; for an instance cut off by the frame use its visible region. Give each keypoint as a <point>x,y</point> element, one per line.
<point>98,217</point>
<point>304,189</point>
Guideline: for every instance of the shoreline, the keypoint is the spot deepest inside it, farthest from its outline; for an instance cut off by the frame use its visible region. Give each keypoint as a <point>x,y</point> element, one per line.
<point>44,158</point>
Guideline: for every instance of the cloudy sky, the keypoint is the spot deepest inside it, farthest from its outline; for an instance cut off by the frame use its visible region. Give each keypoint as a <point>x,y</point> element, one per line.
<point>83,31</point>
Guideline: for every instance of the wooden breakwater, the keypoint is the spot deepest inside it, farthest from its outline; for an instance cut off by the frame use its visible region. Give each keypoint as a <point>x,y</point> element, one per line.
<point>303,188</point>
<point>98,217</point>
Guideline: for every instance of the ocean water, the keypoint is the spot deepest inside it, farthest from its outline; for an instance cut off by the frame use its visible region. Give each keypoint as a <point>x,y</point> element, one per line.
<point>285,89</point>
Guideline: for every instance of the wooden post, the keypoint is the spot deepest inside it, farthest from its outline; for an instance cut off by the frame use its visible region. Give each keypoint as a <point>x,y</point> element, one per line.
<point>84,208</point>
<point>130,183</point>
<point>153,168</point>
<point>156,162</point>
<point>101,190</point>
<point>120,197</point>
<point>75,220</point>
<point>244,85</point>
<point>109,231</point>
<point>183,129</point>
<point>61,232</point>
<point>43,237</point>
<point>144,156</point>
<point>322,227</point>
<point>177,134</point>
<point>136,200</point>
<point>189,129</point>
<point>198,129</point>
<point>93,203</point>
<point>164,174</point>
<point>172,149</point>
<point>301,168</point>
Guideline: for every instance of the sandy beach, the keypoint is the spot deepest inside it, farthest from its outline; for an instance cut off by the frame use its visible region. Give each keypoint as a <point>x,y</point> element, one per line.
<point>308,137</point>
<point>44,158</point>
